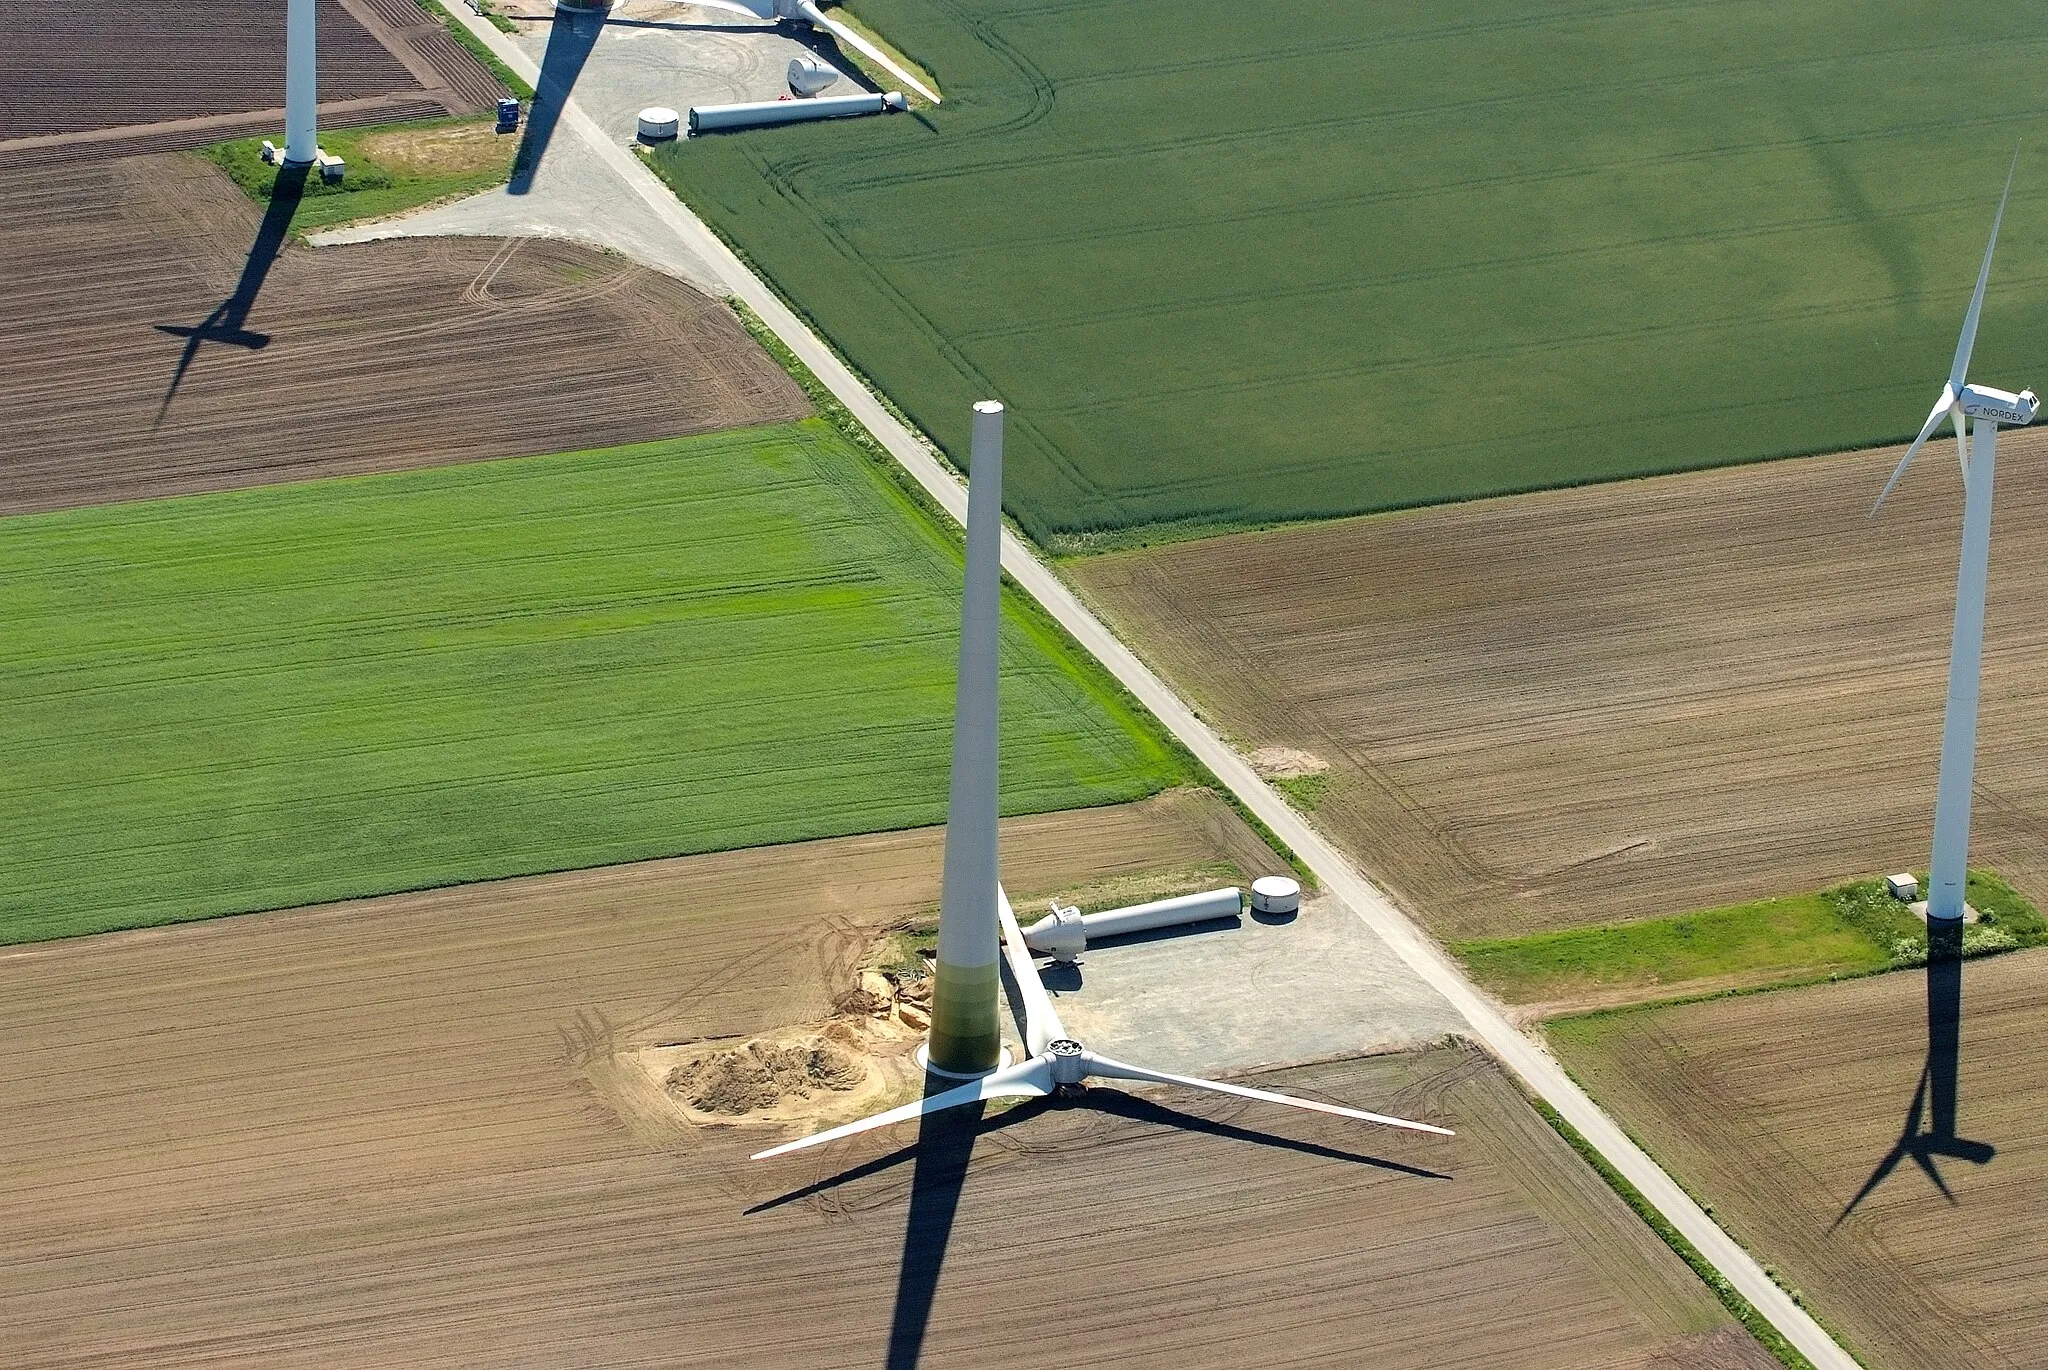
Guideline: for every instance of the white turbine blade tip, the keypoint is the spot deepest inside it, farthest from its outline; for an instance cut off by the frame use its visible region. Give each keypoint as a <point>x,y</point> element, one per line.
<point>1968,339</point>
<point>1102,1065</point>
<point>871,52</point>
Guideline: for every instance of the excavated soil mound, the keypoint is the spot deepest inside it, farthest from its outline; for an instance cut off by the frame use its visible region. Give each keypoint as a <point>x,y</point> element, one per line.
<point>761,1074</point>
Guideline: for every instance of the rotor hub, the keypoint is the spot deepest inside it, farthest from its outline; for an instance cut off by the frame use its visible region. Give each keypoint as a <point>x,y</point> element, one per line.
<point>1068,1065</point>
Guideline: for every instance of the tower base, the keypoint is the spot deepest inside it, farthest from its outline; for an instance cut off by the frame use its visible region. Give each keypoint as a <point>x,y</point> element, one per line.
<point>1003,1059</point>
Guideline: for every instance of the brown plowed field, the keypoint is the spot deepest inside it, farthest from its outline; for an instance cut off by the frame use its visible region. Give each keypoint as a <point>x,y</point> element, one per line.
<point>1779,1108</point>
<point>82,82</point>
<point>380,356</point>
<point>390,1133</point>
<point>1626,700</point>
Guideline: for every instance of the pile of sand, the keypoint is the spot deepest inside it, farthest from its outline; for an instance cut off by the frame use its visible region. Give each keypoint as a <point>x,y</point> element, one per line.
<point>761,1074</point>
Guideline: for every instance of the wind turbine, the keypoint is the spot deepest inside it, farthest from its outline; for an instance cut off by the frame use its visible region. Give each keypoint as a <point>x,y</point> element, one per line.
<point>301,83</point>
<point>965,1036</point>
<point>1978,452</point>
<point>807,12</point>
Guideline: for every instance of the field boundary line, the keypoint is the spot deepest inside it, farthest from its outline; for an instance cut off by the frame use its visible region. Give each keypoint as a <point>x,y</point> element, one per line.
<point>1490,1026</point>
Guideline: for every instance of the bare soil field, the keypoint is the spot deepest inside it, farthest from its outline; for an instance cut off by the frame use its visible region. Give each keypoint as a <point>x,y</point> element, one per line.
<point>83,82</point>
<point>1627,700</point>
<point>322,362</point>
<point>397,1132</point>
<point>1780,1108</point>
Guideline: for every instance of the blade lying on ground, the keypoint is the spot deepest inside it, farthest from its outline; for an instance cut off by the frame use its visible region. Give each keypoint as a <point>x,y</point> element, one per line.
<point>1041,1022</point>
<point>869,50</point>
<point>1026,1080</point>
<point>765,12</point>
<point>1118,1070</point>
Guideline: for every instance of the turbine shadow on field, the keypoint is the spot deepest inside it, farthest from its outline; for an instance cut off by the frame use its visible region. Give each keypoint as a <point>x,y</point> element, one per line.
<point>1121,1104</point>
<point>944,1145</point>
<point>225,323</point>
<point>1880,231</point>
<point>570,40</point>
<point>1934,1098</point>
<point>945,1141</point>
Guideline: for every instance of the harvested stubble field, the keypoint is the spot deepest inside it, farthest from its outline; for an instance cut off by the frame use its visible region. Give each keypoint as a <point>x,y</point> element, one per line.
<point>379,357</point>
<point>1779,1108</point>
<point>260,698</point>
<point>94,81</point>
<point>1229,264</point>
<point>397,1133</point>
<point>1630,700</point>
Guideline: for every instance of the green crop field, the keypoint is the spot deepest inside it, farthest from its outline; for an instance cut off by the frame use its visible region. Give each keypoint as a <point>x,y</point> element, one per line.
<point>1851,929</point>
<point>277,696</point>
<point>1235,263</point>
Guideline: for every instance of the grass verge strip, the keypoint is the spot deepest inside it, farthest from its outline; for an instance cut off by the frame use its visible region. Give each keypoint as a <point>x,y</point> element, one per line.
<point>1851,929</point>
<point>1731,1298</point>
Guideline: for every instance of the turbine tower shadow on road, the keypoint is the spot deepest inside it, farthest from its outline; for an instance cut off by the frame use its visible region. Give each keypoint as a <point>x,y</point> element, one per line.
<point>571,37</point>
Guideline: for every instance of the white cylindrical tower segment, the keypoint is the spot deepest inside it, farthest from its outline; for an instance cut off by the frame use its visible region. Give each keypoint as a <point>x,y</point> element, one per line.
<point>966,1032</point>
<point>301,86</point>
<point>1950,866</point>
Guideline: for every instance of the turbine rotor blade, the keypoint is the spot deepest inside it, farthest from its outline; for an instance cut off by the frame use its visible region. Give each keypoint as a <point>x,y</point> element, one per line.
<point>734,7</point>
<point>1968,339</point>
<point>1119,1070</point>
<point>1943,408</point>
<point>1041,1021</point>
<point>874,54</point>
<point>1029,1079</point>
<point>1956,416</point>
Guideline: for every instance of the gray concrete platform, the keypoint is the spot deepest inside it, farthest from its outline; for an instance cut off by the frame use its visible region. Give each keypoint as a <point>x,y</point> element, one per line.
<point>646,52</point>
<point>1253,991</point>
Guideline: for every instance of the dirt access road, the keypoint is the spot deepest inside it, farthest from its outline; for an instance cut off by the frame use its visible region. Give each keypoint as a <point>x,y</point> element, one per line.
<point>374,357</point>
<point>1627,700</point>
<point>391,1132</point>
<point>1779,1108</point>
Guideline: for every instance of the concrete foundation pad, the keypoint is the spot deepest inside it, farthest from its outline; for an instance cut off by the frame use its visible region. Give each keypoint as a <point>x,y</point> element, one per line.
<point>647,53</point>
<point>1234,994</point>
<point>1919,907</point>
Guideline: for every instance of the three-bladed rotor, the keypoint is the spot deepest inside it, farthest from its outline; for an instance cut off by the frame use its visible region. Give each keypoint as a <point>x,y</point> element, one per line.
<point>1959,399</point>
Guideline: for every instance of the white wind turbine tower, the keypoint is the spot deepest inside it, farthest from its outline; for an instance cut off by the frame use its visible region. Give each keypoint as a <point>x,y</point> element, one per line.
<point>966,1013</point>
<point>301,81</point>
<point>1978,452</point>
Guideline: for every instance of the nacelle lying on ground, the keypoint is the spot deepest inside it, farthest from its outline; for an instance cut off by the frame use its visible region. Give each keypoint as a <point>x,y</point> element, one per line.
<point>2000,406</point>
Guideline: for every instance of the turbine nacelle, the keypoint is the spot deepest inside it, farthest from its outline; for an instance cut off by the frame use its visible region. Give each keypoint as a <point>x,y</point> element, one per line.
<point>1999,406</point>
<point>1959,399</point>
